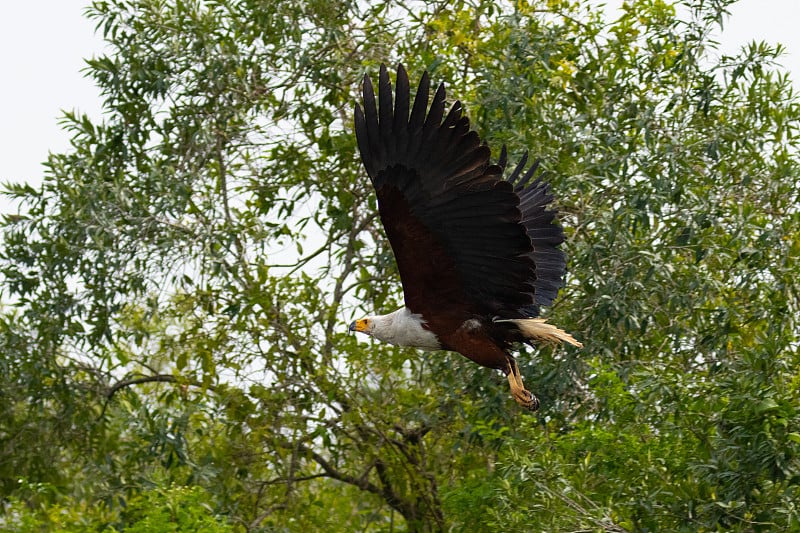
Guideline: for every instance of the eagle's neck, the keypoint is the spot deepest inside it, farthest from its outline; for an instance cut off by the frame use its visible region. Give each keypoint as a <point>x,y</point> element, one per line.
<point>404,328</point>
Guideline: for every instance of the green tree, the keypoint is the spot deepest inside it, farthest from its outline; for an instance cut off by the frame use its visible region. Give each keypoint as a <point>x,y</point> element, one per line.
<point>181,282</point>
<point>178,509</point>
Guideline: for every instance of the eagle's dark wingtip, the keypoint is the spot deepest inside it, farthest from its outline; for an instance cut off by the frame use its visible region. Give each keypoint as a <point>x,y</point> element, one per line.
<point>503,161</point>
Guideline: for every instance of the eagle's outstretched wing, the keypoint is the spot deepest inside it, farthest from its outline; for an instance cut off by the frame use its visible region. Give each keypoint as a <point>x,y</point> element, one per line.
<point>466,240</point>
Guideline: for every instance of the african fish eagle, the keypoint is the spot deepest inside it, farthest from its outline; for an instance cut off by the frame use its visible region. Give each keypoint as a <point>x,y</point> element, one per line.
<point>477,254</point>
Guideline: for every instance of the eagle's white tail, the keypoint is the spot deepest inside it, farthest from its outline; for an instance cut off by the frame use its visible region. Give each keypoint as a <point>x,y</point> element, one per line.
<point>537,329</point>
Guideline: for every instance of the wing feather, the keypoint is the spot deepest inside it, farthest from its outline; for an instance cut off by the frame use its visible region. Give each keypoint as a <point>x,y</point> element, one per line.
<point>465,239</point>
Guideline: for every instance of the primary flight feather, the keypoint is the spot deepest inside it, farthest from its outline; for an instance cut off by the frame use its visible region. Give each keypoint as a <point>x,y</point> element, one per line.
<point>477,253</point>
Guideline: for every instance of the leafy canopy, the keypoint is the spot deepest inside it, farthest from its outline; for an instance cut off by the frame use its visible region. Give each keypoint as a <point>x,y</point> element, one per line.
<point>174,352</point>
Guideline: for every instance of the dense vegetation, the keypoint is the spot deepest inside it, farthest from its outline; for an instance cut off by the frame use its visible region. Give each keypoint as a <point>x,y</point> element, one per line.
<point>174,346</point>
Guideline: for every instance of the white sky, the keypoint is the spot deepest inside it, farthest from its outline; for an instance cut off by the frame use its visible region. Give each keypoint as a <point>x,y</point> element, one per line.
<point>43,43</point>
<point>42,46</point>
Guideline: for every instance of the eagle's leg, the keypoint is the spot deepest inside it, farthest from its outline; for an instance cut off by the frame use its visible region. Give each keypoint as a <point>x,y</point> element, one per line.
<point>518,391</point>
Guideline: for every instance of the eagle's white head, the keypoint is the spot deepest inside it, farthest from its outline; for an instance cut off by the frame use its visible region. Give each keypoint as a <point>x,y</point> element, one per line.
<point>402,328</point>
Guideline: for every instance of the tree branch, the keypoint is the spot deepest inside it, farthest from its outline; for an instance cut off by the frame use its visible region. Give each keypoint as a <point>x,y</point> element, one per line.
<point>362,482</point>
<point>157,378</point>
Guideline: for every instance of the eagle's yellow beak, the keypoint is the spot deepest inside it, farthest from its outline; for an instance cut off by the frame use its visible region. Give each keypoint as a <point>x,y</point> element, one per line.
<point>359,325</point>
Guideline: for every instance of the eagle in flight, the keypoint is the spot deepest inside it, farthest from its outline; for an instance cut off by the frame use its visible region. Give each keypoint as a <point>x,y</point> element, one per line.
<point>477,253</point>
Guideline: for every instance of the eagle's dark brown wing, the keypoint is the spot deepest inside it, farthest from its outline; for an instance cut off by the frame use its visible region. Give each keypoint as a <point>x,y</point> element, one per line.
<point>466,241</point>
<point>545,236</point>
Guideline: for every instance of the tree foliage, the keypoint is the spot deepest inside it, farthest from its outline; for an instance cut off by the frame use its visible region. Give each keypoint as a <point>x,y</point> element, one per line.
<point>174,344</point>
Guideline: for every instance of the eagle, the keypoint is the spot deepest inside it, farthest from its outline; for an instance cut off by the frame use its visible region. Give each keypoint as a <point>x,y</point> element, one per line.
<point>477,253</point>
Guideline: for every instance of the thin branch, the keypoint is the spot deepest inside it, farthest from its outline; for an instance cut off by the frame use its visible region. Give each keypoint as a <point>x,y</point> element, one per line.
<point>362,482</point>
<point>282,480</point>
<point>332,472</point>
<point>157,378</point>
<point>260,518</point>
